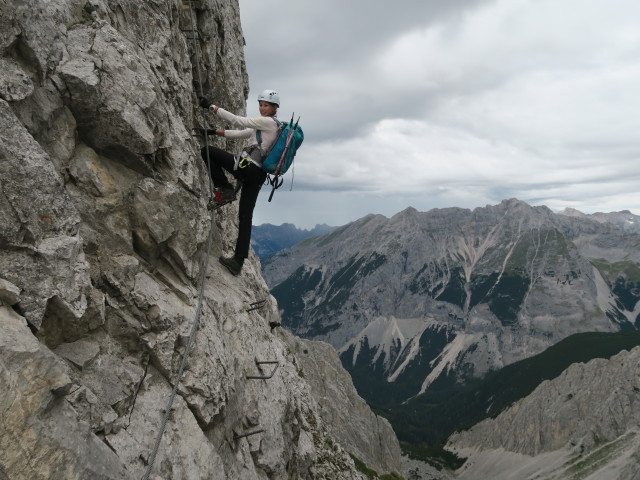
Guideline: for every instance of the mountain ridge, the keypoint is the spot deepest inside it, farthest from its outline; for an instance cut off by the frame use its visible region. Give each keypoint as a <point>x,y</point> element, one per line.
<point>267,239</point>
<point>624,219</point>
<point>424,306</point>
<point>510,279</point>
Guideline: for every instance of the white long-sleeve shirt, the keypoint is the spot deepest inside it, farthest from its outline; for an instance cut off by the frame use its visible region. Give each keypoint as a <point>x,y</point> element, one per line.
<point>267,126</point>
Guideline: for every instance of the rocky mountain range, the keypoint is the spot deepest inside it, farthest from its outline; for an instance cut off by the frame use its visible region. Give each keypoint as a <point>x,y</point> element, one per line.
<point>624,220</point>
<point>267,239</point>
<point>117,323</point>
<point>423,303</point>
<point>422,295</point>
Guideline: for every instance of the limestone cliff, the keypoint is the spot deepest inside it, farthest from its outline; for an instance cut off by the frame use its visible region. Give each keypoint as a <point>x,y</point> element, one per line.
<point>341,406</point>
<point>103,241</point>
<point>581,425</point>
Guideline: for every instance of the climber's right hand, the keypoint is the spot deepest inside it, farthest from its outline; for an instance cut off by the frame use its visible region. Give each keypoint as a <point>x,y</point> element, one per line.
<point>204,103</point>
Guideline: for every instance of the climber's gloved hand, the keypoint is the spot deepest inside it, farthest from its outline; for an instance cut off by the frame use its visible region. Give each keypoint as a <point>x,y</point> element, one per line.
<point>204,103</point>
<point>208,131</point>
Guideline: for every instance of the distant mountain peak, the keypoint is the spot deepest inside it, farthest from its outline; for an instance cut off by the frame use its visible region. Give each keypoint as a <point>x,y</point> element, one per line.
<point>508,279</point>
<point>267,239</point>
<point>572,212</point>
<point>624,219</point>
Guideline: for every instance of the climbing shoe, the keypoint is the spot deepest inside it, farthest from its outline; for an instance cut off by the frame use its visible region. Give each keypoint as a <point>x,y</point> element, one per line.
<point>232,263</point>
<point>222,196</point>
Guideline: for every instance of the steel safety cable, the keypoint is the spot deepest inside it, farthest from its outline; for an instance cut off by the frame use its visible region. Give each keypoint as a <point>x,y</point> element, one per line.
<point>201,92</point>
<point>183,363</point>
<point>201,281</point>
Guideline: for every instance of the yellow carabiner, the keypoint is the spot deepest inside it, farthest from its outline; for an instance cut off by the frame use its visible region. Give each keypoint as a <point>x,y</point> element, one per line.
<point>244,162</point>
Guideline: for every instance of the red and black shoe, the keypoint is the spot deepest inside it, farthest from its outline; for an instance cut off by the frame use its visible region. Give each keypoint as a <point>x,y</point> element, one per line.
<point>222,196</point>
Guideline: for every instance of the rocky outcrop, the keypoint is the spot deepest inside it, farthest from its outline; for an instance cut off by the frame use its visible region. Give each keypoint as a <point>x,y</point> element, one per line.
<point>583,424</point>
<point>104,240</point>
<point>344,411</point>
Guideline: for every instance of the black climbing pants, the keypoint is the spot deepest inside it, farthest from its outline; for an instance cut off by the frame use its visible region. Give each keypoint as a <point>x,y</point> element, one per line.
<point>252,178</point>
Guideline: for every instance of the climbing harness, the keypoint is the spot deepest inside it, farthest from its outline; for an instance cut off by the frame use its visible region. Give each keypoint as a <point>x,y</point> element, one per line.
<point>201,281</point>
<point>244,163</point>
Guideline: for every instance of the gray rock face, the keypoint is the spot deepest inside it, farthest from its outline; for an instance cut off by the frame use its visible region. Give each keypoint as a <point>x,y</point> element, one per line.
<point>583,424</point>
<point>42,436</point>
<point>103,239</point>
<point>346,414</point>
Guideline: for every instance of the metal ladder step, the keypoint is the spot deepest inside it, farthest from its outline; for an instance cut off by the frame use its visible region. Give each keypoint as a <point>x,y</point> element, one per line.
<point>264,377</point>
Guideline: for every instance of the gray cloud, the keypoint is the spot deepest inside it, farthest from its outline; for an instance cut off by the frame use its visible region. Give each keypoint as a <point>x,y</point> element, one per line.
<point>320,54</point>
<point>436,104</point>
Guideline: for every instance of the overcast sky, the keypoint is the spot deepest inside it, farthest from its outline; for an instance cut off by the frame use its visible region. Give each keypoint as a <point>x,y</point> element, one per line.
<point>457,103</point>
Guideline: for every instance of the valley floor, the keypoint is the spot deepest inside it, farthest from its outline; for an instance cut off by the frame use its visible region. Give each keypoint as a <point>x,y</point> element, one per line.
<point>613,460</point>
<point>417,470</point>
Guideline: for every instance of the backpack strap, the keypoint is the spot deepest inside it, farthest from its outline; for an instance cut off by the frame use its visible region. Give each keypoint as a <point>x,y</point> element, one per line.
<point>275,182</point>
<point>259,133</point>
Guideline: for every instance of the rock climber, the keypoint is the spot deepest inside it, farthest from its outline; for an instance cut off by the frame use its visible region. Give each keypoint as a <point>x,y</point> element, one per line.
<point>245,167</point>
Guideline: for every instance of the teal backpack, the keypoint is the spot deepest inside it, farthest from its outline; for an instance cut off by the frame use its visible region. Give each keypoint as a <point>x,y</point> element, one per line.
<point>280,156</point>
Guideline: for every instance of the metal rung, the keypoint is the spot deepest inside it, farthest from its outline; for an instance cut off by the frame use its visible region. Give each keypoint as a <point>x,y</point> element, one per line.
<point>256,305</point>
<point>191,34</point>
<point>253,377</point>
<point>186,4</point>
<point>248,434</point>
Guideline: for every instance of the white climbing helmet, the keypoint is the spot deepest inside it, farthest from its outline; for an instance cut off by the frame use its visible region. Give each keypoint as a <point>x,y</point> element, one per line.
<point>270,96</point>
